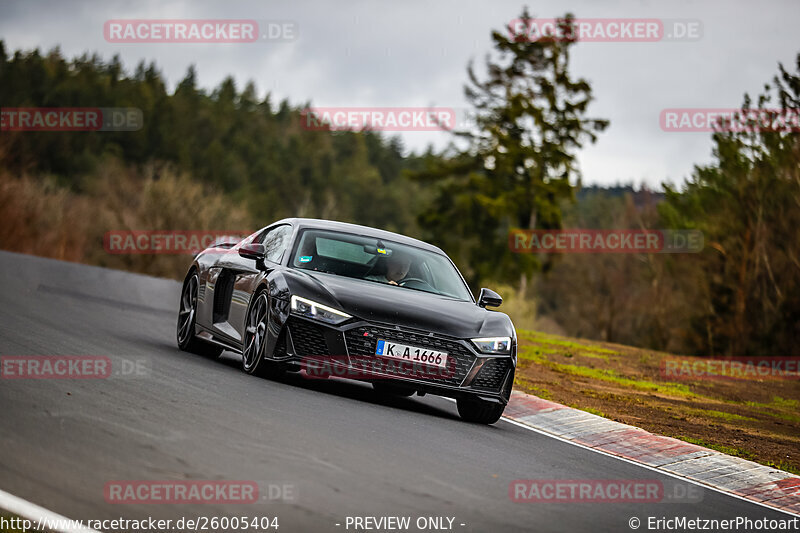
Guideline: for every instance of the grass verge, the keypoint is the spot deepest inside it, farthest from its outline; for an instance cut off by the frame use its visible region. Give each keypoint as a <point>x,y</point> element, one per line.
<point>749,418</point>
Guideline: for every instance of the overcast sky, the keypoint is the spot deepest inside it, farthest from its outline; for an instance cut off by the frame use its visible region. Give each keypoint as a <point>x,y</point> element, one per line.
<point>414,53</point>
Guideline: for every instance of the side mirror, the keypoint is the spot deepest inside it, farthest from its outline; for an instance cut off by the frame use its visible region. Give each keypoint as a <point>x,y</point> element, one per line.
<point>253,251</point>
<point>489,298</point>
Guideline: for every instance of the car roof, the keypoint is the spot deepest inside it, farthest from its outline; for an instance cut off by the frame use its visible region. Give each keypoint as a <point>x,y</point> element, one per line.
<point>366,231</point>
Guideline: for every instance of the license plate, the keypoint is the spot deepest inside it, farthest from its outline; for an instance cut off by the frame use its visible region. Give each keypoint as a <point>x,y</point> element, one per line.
<point>413,354</point>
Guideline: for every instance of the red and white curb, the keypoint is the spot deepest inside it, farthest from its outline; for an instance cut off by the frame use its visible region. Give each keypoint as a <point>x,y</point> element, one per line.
<point>740,477</point>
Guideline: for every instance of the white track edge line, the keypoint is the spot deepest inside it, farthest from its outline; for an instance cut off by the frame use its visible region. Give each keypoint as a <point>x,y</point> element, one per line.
<point>35,513</point>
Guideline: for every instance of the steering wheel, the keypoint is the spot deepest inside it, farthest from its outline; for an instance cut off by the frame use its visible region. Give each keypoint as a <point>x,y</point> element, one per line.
<point>403,281</point>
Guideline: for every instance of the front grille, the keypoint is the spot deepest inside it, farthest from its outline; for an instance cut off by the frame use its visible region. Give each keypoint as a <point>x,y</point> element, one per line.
<point>361,349</point>
<point>491,375</point>
<point>308,338</point>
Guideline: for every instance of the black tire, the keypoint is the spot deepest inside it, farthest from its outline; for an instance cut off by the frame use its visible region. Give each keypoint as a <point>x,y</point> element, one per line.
<point>187,311</point>
<point>392,389</point>
<point>253,360</point>
<point>479,411</point>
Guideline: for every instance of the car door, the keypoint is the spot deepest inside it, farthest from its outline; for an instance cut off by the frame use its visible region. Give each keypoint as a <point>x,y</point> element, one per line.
<point>245,273</point>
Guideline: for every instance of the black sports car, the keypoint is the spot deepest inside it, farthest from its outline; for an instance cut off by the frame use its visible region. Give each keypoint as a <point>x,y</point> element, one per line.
<point>329,298</point>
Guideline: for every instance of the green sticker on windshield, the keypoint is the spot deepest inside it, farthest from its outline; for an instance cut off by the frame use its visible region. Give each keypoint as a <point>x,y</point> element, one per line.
<point>305,258</point>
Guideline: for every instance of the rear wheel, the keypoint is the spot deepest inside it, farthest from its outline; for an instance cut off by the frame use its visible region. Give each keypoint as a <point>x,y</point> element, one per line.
<point>255,340</point>
<point>187,316</point>
<point>480,411</point>
<point>392,389</point>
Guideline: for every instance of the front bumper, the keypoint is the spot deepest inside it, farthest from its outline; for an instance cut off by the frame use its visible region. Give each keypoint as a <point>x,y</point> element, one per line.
<point>352,347</point>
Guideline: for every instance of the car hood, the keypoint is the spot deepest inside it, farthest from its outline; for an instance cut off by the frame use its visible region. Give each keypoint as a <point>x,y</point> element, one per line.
<point>378,302</point>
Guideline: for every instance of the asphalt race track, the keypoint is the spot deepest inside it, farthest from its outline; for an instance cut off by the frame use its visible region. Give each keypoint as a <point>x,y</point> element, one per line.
<point>341,449</point>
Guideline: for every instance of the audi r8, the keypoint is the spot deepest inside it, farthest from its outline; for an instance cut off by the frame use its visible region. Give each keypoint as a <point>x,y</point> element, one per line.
<point>336,299</point>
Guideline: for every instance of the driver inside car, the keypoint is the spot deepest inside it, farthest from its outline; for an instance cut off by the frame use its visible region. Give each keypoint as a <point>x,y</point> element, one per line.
<point>397,266</point>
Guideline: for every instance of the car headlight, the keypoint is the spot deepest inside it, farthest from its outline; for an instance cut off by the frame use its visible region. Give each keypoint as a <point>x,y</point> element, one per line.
<point>493,345</point>
<point>310,309</point>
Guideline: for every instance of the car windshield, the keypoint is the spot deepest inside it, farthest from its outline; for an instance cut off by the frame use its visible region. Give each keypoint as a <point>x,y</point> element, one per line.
<point>379,261</point>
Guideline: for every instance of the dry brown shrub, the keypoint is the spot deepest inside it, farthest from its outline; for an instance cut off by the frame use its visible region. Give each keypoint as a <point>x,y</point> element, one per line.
<point>39,218</point>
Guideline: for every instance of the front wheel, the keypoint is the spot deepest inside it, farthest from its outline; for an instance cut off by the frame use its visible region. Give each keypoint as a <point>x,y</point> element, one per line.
<point>187,316</point>
<point>480,411</point>
<point>255,340</point>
